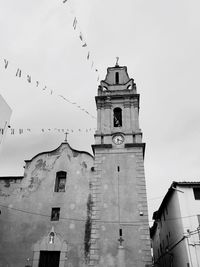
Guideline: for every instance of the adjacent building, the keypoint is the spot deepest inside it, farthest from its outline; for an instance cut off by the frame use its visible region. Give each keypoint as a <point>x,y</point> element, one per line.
<point>175,233</point>
<point>5,114</point>
<point>74,209</point>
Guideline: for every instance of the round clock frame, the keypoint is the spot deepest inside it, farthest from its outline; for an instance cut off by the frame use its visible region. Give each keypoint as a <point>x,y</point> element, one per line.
<point>118,139</point>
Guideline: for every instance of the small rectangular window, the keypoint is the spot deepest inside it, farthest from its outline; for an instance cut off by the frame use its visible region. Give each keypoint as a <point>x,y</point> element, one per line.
<point>117,77</point>
<point>196,191</point>
<point>60,181</point>
<point>55,214</point>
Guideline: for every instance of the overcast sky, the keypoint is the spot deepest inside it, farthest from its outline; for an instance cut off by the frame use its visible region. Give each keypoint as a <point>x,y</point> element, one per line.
<point>159,43</point>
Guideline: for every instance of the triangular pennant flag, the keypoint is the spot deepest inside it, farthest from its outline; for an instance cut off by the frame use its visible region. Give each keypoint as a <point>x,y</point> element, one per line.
<point>6,63</point>
<point>84,45</point>
<point>80,36</point>
<point>88,56</point>
<point>29,78</point>
<point>20,131</point>
<point>74,23</point>
<point>18,73</point>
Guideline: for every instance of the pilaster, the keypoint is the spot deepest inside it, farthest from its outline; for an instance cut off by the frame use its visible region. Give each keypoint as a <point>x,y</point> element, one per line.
<point>96,185</point>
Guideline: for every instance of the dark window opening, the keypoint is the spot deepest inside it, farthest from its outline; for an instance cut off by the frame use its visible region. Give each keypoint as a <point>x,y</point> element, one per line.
<point>117,116</point>
<point>120,232</point>
<point>118,168</point>
<point>49,259</point>
<point>117,77</point>
<point>55,214</point>
<point>60,181</point>
<point>196,191</point>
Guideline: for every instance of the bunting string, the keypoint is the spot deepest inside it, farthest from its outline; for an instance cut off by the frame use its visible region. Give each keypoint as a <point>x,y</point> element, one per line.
<point>20,131</point>
<point>84,44</point>
<point>38,84</point>
<point>19,73</point>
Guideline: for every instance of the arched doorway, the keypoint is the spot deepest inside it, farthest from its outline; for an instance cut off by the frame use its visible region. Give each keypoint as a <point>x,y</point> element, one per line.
<point>51,251</point>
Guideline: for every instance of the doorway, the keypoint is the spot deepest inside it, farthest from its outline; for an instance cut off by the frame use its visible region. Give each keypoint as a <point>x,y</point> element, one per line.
<point>49,258</point>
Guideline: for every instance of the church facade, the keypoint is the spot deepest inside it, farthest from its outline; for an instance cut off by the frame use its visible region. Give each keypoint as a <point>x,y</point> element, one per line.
<point>74,209</point>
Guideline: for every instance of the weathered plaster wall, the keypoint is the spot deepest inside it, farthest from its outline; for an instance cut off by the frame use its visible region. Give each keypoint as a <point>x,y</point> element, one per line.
<point>31,200</point>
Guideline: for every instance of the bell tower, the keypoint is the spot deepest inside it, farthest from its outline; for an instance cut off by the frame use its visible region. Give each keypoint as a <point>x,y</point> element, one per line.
<point>117,108</point>
<point>119,219</point>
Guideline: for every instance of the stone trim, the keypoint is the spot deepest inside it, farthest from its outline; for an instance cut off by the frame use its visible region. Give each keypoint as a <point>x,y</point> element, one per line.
<point>96,187</point>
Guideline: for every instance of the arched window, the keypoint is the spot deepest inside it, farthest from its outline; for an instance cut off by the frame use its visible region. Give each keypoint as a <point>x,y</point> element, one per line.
<point>117,77</point>
<point>60,181</point>
<point>117,117</point>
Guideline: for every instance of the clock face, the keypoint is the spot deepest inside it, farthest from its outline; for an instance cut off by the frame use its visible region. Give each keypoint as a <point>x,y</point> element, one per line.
<point>118,139</point>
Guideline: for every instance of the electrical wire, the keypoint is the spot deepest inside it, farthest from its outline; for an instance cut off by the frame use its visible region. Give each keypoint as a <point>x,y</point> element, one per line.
<point>128,223</point>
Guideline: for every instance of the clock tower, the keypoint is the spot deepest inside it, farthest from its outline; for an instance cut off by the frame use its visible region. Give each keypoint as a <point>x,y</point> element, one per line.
<point>119,217</point>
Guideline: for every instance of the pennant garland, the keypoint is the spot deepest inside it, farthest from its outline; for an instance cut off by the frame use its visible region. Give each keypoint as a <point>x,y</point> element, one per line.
<point>20,131</point>
<point>29,79</point>
<point>80,34</point>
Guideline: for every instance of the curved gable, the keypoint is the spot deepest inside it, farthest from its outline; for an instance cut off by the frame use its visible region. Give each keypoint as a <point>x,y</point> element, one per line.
<point>57,150</point>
